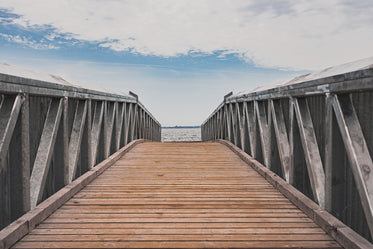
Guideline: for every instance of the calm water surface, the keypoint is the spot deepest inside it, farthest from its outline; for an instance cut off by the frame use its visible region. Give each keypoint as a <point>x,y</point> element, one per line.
<point>181,134</point>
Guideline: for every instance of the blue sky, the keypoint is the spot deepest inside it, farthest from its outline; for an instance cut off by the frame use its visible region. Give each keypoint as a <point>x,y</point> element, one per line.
<point>181,57</point>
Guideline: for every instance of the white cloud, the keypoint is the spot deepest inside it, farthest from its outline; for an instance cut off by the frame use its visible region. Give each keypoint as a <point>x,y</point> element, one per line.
<point>302,34</point>
<point>28,42</point>
<point>185,101</point>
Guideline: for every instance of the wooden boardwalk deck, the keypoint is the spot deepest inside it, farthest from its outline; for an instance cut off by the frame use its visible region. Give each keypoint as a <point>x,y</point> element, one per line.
<point>178,195</point>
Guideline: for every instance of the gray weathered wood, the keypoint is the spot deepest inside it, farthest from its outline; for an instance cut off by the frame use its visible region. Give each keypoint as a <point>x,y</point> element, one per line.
<point>221,123</point>
<point>127,122</point>
<point>228,121</point>
<point>65,134</point>
<point>76,137</point>
<point>281,137</point>
<point>45,150</point>
<point>311,150</point>
<point>109,125</point>
<point>134,122</point>
<point>89,133</point>
<point>235,124</point>
<point>345,236</point>
<point>29,221</point>
<point>21,137</point>
<point>264,133</point>
<point>357,152</point>
<point>328,153</point>
<point>292,137</point>
<point>243,128</point>
<point>119,124</point>
<point>251,125</point>
<point>10,108</point>
<point>96,130</point>
<point>25,144</point>
<point>140,125</point>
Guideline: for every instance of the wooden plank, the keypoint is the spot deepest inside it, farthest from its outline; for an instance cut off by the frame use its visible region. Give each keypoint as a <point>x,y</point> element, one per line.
<point>178,195</point>
<point>272,214</point>
<point>171,220</point>
<point>198,231</point>
<point>176,237</point>
<point>178,225</point>
<point>181,244</point>
<point>121,209</point>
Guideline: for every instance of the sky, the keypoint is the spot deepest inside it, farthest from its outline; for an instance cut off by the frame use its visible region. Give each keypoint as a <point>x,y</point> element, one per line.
<point>181,57</point>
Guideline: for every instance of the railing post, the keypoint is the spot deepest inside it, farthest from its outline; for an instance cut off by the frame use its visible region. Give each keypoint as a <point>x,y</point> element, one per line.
<point>287,126</point>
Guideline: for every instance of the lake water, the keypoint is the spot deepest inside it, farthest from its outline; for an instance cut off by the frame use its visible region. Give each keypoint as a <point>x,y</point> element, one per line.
<point>181,134</point>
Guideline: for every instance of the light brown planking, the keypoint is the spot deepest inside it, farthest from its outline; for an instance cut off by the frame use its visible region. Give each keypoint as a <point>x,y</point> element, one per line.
<point>178,195</point>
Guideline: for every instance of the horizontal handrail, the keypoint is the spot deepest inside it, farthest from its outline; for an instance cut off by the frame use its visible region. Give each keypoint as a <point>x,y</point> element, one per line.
<point>54,131</point>
<point>333,84</point>
<point>316,134</point>
<point>10,84</point>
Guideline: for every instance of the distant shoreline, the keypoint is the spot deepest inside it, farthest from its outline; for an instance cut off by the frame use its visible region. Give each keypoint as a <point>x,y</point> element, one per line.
<point>180,127</point>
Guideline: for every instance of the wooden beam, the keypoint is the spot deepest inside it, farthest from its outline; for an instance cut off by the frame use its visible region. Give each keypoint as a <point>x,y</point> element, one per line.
<point>293,137</point>
<point>237,121</point>
<point>357,152</point>
<point>127,122</point>
<point>96,130</point>
<point>227,126</point>
<point>17,173</point>
<point>328,152</point>
<point>109,124</point>
<point>76,137</point>
<point>229,121</point>
<point>311,150</point>
<point>251,126</point>
<point>119,124</point>
<point>89,134</point>
<point>221,123</point>
<point>264,132</point>
<point>9,111</point>
<point>134,122</point>
<point>25,143</point>
<point>242,127</point>
<point>281,136</point>
<point>65,144</point>
<point>45,151</point>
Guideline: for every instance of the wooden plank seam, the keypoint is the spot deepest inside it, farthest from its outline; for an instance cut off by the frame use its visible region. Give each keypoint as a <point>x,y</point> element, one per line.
<point>343,234</point>
<point>26,223</point>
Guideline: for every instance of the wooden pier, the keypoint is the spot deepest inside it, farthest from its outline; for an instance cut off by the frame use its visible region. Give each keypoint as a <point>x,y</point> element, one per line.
<point>287,166</point>
<point>178,195</point>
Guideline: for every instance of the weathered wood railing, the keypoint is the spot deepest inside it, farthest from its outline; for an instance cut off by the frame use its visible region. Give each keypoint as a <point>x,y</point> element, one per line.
<point>316,134</point>
<point>52,133</point>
